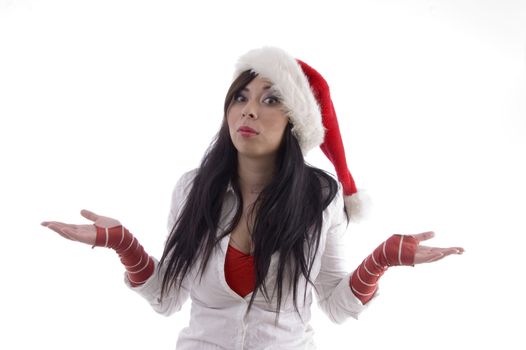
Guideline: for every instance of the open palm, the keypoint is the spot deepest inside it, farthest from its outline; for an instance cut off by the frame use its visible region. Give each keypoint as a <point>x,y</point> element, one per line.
<point>425,254</point>
<point>82,233</point>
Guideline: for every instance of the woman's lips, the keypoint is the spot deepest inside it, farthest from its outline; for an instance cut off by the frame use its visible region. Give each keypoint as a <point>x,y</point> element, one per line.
<point>247,131</point>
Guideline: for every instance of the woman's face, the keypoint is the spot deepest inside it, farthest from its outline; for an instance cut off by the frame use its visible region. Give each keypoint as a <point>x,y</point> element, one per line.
<point>256,119</point>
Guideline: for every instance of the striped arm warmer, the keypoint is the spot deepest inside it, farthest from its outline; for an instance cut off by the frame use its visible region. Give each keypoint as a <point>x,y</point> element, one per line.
<point>139,266</point>
<point>397,250</point>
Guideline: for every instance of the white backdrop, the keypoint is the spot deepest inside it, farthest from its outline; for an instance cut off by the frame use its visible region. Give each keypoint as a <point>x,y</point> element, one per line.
<point>104,104</point>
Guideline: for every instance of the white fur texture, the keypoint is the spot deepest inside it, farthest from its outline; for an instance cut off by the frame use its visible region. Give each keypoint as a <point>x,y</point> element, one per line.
<point>291,83</point>
<point>357,205</point>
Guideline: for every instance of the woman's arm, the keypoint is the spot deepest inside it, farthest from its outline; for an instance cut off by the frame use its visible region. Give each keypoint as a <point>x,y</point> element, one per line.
<point>341,294</point>
<point>334,296</point>
<point>108,232</point>
<point>142,272</point>
<point>398,250</point>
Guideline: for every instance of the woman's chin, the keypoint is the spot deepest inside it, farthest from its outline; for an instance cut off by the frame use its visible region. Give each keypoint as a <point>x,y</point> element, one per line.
<point>254,153</point>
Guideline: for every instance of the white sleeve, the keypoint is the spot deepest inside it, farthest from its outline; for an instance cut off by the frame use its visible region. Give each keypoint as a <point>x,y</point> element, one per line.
<point>334,295</point>
<point>151,289</point>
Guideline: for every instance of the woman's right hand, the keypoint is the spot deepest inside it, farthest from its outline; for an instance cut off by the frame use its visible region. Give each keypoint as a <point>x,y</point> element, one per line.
<point>82,233</point>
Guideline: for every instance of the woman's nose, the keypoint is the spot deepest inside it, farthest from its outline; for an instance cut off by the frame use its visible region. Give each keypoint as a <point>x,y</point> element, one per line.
<point>249,114</point>
<point>250,109</point>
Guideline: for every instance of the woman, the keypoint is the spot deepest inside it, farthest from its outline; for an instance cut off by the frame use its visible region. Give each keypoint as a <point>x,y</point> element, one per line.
<point>254,229</point>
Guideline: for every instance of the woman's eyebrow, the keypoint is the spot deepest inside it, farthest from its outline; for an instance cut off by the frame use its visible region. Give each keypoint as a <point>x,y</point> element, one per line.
<point>264,88</point>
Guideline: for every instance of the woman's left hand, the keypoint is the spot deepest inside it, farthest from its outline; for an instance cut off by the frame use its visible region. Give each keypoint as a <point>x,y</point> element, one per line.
<point>425,254</point>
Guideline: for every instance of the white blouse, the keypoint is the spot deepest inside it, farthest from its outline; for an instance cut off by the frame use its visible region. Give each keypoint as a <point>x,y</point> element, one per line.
<point>217,319</point>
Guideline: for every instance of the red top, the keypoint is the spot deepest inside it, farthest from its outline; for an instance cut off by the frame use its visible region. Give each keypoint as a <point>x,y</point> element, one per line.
<point>239,271</point>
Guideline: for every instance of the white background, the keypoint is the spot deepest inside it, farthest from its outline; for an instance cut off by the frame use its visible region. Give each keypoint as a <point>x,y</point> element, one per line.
<point>104,104</point>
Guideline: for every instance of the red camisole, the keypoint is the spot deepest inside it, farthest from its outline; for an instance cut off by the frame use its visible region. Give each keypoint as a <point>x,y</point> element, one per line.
<point>239,271</point>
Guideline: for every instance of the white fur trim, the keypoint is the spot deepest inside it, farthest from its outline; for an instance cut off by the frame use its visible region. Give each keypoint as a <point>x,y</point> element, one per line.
<point>291,83</point>
<point>357,205</point>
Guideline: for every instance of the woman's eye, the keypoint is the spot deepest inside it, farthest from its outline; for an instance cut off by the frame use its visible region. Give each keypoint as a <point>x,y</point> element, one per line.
<point>239,98</point>
<point>272,100</point>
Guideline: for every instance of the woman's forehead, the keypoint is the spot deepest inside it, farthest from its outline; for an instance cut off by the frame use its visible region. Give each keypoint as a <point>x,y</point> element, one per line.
<point>262,80</point>
<point>267,84</point>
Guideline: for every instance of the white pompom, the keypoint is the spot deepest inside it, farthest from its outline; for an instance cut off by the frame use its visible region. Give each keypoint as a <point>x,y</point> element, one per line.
<point>358,205</point>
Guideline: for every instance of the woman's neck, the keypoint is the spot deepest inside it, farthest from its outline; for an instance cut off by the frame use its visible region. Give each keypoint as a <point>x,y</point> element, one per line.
<point>254,174</point>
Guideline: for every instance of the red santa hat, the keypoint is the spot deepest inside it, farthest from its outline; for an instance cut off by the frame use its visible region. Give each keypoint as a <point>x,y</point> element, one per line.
<point>307,100</point>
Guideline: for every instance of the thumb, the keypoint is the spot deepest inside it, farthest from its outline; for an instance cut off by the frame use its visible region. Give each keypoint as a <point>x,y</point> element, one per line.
<point>89,215</point>
<point>424,236</point>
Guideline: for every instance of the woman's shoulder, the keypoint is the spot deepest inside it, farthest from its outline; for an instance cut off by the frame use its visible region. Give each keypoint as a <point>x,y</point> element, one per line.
<point>188,176</point>
<point>329,185</point>
<point>332,195</point>
<point>183,184</point>
<point>179,195</point>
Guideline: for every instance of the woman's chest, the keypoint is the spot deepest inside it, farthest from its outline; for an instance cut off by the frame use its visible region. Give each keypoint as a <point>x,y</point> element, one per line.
<point>214,291</point>
<point>241,238</point>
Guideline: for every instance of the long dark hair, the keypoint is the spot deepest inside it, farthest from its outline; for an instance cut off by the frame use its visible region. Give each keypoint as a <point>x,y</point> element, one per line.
<point>287,213</point>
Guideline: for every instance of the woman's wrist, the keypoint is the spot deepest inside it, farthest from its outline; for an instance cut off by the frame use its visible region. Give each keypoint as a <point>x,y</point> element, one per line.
<point>139,265</point>
<point>395,251</point>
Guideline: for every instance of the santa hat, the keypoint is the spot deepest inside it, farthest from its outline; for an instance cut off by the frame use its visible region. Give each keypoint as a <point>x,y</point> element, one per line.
<point>306,97</point>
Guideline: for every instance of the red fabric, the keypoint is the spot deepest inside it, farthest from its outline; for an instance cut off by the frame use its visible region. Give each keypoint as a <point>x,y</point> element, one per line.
<point>139,266</point>
<point>397,250</point>
<point>332,145</point>
<point>239,271</point>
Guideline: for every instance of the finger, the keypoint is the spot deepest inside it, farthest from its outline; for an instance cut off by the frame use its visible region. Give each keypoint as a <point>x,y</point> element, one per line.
<point>446,251</point>
<point>435,257</point>
<point>422,249</point>
<point>429,254</point>
<point>424,236</point>
<point>89,215</point>
<point>54,223</point>
<point>442,254</point>
<point>452,250</point>
<point>61,230</point>
<point>47,223</point>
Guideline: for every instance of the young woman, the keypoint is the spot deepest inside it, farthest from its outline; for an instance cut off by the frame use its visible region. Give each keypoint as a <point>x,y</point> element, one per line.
<point>255,229</point>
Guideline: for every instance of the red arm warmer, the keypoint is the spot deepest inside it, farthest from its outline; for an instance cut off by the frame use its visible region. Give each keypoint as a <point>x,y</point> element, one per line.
<point>139,266</point>
<point>397,250</point>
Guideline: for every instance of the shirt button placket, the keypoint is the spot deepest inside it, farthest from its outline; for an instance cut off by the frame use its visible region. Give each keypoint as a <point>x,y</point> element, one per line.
<point>243,325</point>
